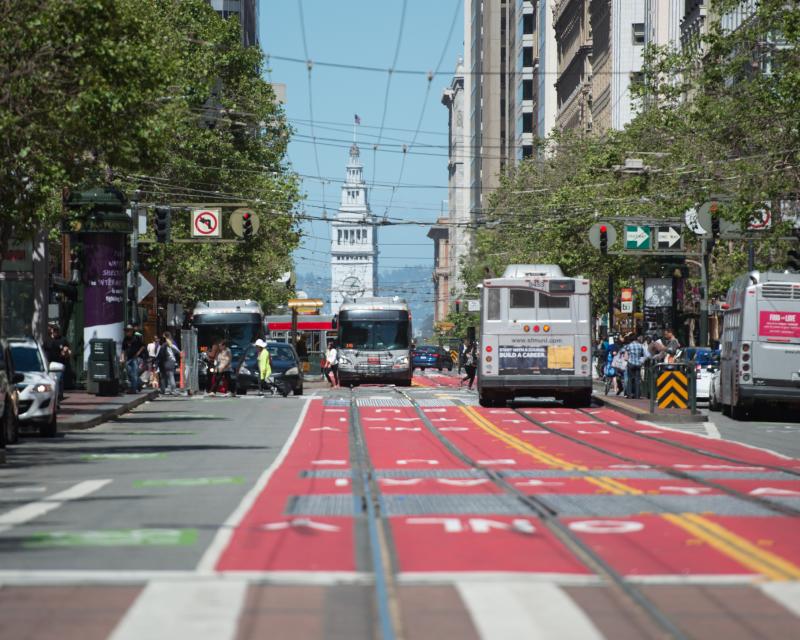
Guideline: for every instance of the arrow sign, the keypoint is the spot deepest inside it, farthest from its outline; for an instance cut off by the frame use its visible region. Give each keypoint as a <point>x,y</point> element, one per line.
<point>637,237</point>
<point>669,237</point>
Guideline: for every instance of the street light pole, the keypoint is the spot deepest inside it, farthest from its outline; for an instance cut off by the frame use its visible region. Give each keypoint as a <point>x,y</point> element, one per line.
<point>703,264</point>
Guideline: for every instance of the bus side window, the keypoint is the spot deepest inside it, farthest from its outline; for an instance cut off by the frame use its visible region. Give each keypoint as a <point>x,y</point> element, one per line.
<point>493,304</point>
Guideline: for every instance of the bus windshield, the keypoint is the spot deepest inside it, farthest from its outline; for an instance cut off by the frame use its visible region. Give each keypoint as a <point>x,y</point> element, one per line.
<point>236,334</point>
<point>374,334</point>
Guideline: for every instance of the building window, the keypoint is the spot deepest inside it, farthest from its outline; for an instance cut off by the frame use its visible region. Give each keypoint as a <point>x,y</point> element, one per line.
<point>528,24</point>
<point>638,33</point>
<point>527,150</point>
<point>527,123</point>
<point>527,56</point>
<point>527,89</point>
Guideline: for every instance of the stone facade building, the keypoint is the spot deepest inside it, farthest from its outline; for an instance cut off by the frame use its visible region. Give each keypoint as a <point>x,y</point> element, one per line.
<point>354,239</point>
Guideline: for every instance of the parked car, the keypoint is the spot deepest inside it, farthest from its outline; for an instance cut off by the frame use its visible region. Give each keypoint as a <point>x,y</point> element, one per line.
<point>9,397</point>
<point>706,360</point>
<point>286,367</point>
<point>38,391</point>
<point>430,356</point>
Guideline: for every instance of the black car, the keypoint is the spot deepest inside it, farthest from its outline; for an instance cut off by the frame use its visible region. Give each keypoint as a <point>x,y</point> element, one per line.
<point>286,367</point>
<point>9,397</point>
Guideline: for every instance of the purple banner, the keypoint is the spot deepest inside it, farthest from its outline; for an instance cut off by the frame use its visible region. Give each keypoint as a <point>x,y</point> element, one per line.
<point>104,280</point>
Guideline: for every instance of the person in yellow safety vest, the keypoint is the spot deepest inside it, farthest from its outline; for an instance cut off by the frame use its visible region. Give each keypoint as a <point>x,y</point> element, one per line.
<point>264,364</point>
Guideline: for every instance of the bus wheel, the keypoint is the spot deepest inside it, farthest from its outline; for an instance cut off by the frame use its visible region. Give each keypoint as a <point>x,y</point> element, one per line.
<point>578,400</point>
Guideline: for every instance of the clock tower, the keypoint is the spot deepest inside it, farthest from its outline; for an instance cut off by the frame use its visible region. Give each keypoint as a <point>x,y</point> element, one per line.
<point>354,239</point>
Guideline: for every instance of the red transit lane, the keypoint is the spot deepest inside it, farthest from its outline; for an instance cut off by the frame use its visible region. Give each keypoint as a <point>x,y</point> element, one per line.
<point>266,539</point>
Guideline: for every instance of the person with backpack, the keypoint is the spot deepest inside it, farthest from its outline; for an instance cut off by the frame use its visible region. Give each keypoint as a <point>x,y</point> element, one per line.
<point>167,360</point>
<point>222,370</point>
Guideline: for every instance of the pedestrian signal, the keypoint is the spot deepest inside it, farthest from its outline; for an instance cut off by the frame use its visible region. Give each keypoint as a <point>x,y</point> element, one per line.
<point>603,239</point>
<point>163,223</point>
<point>247,225</point>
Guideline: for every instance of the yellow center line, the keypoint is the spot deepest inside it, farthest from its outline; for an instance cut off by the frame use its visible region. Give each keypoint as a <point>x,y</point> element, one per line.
<point>717,536</point>
<point>736,547</point>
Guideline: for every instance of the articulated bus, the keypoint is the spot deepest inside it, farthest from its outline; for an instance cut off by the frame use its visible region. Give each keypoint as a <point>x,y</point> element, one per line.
<point>535,337</point>
<point>374,341</point>
<point>760,347</point>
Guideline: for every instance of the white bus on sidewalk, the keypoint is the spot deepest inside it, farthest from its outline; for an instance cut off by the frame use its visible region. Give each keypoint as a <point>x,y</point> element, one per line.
<point>760,346</point>
<point>535,337</point>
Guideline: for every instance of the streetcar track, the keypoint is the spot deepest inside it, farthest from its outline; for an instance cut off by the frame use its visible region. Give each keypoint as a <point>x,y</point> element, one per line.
<point>736,547</point>
<point>630,593</point>
<point>382,555</point>
<point>676,473</point>
<point>685,447</point>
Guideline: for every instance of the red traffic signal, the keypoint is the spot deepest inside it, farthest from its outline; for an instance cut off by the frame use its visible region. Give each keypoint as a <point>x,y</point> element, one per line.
<point>603,229</point>
<point>247,225</point>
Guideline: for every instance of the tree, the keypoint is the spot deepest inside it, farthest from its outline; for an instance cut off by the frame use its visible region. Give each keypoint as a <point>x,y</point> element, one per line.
<point>228,146</point>
<point>80,89</point>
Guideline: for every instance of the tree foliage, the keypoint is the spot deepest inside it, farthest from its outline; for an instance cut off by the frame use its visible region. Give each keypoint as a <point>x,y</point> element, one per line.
<point>716,119</point>
<point>154,95</point>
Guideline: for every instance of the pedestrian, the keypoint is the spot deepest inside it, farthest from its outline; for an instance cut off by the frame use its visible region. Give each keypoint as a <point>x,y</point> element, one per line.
<point>332,356</point>
<point>264,364</point>
<point>222,366</point>
<point>132,349</point>
<point>602,354</point>
<point>57,349</point>
<point>152,355</point>
<point>462,353</point>
<point>167,361</point>
<point>470,364</point>
<point>670,343</point>
<point>619,364</point>
<point>636,356</point>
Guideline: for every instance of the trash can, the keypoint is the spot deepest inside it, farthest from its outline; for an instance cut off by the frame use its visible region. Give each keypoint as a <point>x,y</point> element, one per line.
<point>103,374</point>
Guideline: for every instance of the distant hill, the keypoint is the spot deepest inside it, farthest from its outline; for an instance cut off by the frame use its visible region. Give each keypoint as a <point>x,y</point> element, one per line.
<point>412,283</point>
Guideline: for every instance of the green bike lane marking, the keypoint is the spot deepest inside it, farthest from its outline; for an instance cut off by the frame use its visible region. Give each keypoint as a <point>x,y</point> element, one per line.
<point>112,538</point>
<point>189,482</point>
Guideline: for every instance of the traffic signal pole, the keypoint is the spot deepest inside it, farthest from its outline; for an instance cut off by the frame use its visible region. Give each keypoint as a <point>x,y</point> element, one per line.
<point>610,303</point>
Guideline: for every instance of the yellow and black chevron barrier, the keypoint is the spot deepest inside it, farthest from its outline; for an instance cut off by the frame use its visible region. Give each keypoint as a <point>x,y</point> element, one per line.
<point>674,387</point>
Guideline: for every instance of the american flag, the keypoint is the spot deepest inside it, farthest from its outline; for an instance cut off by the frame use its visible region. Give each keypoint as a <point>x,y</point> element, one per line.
<point>357,119</point>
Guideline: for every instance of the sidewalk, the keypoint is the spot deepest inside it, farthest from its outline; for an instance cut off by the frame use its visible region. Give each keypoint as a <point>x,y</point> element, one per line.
<point>81,410</point>
<point>640,409</point>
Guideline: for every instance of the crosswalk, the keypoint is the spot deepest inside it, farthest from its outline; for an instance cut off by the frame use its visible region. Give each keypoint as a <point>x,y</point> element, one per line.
<point>236,607</point>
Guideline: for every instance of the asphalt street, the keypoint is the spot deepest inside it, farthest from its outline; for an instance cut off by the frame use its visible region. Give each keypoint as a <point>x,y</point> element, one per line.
<point>167,475</point>
<point>399,513</point>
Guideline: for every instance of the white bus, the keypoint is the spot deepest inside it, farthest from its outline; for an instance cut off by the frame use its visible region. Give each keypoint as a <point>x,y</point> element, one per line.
<point>760,346</point>
<point>535,337</point>
<point>374,341</point>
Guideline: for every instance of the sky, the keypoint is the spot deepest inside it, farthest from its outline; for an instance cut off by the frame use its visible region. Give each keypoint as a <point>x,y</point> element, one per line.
<point>397,34</point>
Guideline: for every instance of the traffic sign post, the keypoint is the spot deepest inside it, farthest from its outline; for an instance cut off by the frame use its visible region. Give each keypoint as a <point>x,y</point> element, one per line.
<point>674,387</point>
<point>205,223</point>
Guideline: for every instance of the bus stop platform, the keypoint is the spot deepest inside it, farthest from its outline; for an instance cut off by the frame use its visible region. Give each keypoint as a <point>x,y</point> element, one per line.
<point>640,409</point>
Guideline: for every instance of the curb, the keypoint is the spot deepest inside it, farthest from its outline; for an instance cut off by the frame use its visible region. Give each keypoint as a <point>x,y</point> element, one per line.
<point>108,415</point>
<point>669,418</point>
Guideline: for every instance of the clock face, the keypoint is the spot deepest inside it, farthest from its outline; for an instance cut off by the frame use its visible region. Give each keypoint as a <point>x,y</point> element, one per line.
<point>352,286</point>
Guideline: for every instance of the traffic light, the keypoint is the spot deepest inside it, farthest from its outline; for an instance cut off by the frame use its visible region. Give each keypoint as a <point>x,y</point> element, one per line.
<point>603,239</point>
<point>163,223</point>
<point>458,306</point>
<point>793,260</point>
<point>247,226</point>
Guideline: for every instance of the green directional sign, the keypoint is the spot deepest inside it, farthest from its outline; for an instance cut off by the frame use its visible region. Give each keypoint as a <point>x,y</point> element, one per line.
<point>637,237</point>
